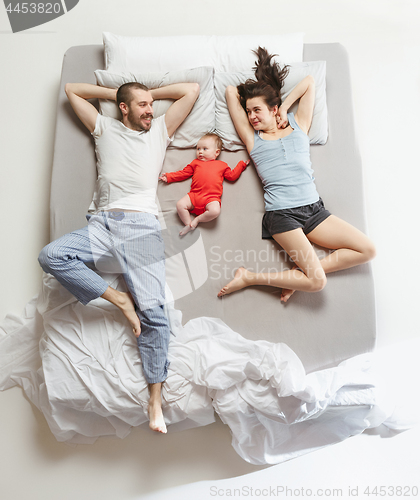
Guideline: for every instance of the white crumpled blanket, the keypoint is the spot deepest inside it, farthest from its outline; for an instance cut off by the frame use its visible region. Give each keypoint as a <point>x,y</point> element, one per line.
<point>81,367</point>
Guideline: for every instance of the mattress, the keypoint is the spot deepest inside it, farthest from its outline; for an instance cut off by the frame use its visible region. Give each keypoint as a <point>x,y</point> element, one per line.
<point>322,328</point>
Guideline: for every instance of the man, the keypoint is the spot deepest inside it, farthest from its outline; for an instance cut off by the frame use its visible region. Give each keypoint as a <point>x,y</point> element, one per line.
<point>130,154</point>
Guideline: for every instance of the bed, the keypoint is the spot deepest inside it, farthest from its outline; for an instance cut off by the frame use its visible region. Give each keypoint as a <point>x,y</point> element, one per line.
<point>310,356</point>
<point>342,329</point>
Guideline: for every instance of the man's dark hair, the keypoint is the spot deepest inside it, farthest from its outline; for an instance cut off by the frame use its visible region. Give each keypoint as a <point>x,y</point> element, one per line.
<point>124,93</point>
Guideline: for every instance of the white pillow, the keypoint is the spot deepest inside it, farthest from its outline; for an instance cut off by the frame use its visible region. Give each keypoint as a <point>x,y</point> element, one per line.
<point>169,53</point>
<point>202,117</point>
<point>318,133</point>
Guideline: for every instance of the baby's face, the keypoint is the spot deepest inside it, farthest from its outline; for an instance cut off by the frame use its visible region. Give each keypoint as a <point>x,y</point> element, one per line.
<point>207,149</point>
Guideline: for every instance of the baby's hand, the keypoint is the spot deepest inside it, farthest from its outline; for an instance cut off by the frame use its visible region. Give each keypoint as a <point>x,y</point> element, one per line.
<point>163,178</point>
<point>247,162</point>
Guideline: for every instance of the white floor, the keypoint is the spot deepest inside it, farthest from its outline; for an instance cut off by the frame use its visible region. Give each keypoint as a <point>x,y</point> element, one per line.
<point>383,41</point>
<point>376,458</point>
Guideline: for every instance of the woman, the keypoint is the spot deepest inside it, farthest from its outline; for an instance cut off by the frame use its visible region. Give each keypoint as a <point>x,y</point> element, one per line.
<point>295,215</point>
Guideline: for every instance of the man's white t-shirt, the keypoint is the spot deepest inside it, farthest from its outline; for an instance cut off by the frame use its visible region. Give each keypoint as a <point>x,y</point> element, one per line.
<point>128,164</point>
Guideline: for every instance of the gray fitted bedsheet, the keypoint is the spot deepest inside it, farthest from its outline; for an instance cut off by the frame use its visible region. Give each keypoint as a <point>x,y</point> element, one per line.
<point>322,328</point>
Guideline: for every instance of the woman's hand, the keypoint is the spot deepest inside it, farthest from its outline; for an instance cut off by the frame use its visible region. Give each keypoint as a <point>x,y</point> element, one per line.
<point>281,118</point>
<point>163,178</point>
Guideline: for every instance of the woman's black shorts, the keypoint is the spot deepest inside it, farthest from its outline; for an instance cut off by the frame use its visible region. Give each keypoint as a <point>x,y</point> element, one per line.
<point>306,217</point>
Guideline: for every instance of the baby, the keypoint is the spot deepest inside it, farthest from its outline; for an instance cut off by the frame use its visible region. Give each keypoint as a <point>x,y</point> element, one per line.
<point>204,198</point>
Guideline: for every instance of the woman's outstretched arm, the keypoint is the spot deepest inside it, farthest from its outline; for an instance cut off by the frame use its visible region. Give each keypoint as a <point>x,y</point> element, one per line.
<point>239,118</point>
<point>305,91</point>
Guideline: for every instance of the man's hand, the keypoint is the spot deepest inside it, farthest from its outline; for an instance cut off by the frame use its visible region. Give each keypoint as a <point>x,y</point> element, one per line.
<point>78,93</point>
<point>184,95</point>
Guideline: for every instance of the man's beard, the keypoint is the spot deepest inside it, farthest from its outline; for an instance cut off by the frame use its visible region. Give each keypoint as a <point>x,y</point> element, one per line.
<point>136,122</point>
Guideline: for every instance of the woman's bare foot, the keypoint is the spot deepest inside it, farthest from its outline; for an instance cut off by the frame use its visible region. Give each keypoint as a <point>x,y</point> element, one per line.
<point>286,293</point>
<point>156,420</point>
<point>241,280</point>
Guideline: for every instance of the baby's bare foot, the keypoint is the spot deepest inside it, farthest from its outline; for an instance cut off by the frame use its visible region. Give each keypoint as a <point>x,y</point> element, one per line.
<point>156,420</point>
<point>186,230</point>
<point>194,223</point>
<point>241,280</point>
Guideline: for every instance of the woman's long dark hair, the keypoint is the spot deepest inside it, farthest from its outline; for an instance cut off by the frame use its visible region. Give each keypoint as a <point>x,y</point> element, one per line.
<point>268,83</point>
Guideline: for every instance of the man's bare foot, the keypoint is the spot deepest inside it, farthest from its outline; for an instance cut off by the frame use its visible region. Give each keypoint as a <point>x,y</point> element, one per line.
<point>241,280</point>
<point>186,230</point>
<point>156,420</point>
<point>127,307</point>
<point>125,303</point>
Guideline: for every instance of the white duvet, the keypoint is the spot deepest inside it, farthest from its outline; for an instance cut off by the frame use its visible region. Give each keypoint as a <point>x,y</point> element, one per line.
<point>80,366</point>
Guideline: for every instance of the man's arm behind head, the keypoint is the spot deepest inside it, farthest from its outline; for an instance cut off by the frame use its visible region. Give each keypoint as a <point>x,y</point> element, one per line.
<point>185,95</point>
<point>78,93</point>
